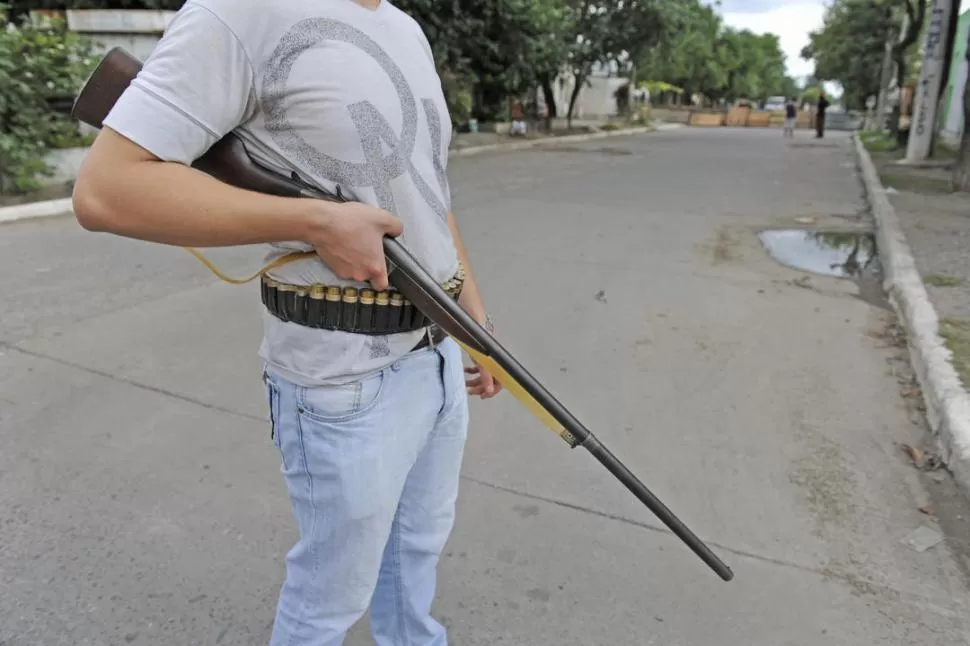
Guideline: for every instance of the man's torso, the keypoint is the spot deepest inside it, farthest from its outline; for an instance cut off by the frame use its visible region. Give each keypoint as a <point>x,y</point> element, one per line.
<point>347,97</point>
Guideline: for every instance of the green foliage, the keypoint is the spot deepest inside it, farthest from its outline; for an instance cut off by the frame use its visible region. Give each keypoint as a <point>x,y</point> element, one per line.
<point>659,87</point>
<point>701,55</point>
<point>850,46</point>
<point>878,141</point>
<point>459,95</point>
<point>38,62</point>
<point>610,31</point>
<point>811,94</point>
<point>504,45</point>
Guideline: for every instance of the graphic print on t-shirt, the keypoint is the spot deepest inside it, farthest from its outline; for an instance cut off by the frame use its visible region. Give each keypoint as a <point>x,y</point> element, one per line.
<point>372,127</point>
<point>377,170</point>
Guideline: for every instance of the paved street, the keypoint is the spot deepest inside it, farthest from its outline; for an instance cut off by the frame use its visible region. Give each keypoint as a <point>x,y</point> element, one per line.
<point>140,498</point>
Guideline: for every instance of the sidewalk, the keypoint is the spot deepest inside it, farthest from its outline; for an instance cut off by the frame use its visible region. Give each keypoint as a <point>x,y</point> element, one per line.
<point>935,223</point>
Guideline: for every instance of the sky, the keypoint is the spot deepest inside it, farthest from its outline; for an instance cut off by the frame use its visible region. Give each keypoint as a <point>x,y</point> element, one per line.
<point>791,20</point>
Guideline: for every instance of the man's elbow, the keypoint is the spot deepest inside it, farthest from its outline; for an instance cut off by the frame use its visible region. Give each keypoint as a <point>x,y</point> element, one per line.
<point>89,206</point>
<point>101,186</point>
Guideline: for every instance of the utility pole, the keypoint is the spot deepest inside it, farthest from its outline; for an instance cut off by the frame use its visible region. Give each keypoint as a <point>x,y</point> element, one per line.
<point>923,126</point>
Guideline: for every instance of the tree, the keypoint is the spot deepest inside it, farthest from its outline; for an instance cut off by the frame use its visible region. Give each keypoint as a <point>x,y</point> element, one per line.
<point>698,53</point>
<point>501,47</point>
<point>849,47</point>
<point>684,54</point>
<point>608,32</point>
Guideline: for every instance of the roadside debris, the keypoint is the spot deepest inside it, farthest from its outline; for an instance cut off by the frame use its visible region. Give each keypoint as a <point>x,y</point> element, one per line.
<point>922,539</point>
<point>923,459</point>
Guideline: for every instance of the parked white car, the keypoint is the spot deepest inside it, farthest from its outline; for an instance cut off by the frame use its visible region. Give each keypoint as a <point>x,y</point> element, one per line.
<point>775,103</point>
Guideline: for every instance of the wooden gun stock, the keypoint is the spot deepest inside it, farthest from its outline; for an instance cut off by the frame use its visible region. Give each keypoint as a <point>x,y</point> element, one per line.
<point>228,161</point>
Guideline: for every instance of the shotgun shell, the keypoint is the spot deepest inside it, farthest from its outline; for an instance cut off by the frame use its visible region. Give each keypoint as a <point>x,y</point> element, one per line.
<point>331,308</point>
<point>381,312</point>
<point>349,309</point>
<point>365,316</point>
<point>315,306</point>
<point>394,316</point>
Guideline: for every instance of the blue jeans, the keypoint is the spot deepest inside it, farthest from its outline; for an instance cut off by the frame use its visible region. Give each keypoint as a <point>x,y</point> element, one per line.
<point>371,468</point>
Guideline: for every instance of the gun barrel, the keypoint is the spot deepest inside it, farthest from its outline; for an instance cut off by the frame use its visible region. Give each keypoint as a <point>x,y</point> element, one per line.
<point>419,288</point>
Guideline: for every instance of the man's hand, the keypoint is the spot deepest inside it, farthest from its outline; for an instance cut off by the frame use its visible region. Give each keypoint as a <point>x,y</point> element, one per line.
<point>483,383</point>
<point>349,237</point>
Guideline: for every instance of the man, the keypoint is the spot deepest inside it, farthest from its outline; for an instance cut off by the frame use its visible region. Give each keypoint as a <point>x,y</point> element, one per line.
<point>823,103</point>
<point>369,424</point>
<point>791,116</point>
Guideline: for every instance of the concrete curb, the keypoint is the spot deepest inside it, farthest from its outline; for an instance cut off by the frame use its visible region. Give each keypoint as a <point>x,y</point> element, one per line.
<point>35,210</point>
<point>61,207</point>
<point>550,141</point>
<point>947,401</point>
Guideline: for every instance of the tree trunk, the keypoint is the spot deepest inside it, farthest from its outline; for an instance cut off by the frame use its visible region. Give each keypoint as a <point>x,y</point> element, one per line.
<point>961,170</point>
<point>550,99</point>
<point>579,79</point>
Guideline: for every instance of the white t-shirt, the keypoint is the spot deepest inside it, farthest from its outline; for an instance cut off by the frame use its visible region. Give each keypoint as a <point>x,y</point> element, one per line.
<point>340,94</point>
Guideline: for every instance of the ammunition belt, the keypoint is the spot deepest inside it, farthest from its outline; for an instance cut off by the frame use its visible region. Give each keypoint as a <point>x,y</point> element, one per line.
<point>348,309</point>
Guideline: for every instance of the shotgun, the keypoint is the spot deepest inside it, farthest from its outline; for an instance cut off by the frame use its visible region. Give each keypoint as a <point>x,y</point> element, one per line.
<point>228,161</point>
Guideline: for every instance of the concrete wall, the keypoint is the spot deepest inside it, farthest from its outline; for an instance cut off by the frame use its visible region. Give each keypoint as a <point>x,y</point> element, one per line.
<point>595,101</point>
<point>135,30</point>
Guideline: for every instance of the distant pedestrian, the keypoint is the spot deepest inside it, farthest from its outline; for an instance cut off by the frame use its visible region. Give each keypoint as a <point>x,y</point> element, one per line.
<point>791,114</point>
<point>518,118</point>
<point>823,103</point>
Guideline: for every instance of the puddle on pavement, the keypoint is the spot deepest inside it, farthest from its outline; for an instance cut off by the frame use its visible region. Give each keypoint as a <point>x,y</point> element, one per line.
<point>840,254</point>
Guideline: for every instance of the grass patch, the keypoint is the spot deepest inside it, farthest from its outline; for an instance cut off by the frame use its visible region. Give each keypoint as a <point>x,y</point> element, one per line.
<point>942,151</point>
<point>916,183</point>
<point>941,280</point>
<point>878,142</point>
<point>956,334</point>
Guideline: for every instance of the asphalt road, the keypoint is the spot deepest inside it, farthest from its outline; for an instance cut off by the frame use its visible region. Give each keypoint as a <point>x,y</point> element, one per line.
<point>140,499</point>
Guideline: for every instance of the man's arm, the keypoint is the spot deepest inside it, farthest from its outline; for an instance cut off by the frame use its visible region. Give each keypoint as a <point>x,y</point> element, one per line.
<point>484,385</point>
<point>137,181</point>
<point>126,190</point>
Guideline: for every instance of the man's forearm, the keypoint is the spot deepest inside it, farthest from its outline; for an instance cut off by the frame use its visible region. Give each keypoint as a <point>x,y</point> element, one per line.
<point>173,204</point>
<point>470,299</point>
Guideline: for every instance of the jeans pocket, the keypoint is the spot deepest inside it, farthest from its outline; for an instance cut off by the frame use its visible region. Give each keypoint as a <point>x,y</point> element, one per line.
<point>343,402</point>
<point>273,400</point>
